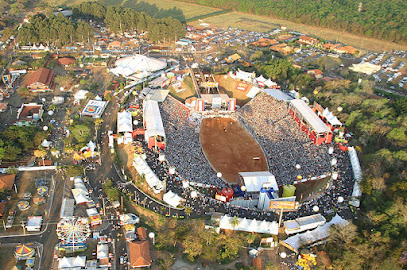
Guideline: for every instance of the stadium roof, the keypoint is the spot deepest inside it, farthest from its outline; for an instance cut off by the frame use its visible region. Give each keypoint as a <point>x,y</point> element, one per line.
<point>137,64</point>
<point>254,181</point>
<point>313,120</point>
<point>152,118</point>
<point>277,94</point>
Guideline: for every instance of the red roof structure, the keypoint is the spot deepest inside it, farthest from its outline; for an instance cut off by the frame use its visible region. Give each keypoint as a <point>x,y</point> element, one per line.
<point>7,181</point>
<point>139,254</point>
<point>30,112</point>
<point>142,233</point>
<point>41,80</point>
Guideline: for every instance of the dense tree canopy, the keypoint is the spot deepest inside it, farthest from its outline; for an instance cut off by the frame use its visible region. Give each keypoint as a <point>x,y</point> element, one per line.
<point>119,20</point>
<point>382,19</point>
<point>54,30</point>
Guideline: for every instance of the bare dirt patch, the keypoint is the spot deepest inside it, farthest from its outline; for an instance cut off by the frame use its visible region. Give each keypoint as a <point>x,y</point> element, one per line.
<point>230,148</point>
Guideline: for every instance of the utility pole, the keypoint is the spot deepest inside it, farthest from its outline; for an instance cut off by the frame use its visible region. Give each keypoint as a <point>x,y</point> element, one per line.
<point>23,225</point>
<point>4,225</point>
<point>104,209</point>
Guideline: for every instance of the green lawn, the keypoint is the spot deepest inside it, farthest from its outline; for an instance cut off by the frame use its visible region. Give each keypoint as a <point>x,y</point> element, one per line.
<point>165,8</point>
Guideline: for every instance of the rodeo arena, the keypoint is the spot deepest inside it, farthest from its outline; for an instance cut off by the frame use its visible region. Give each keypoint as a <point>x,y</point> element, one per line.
<point>277,163</point>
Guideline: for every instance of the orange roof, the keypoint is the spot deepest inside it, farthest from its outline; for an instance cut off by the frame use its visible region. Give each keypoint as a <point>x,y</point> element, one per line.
<point>7,181</point>
<point>347,49</point>
<point>328,46</point>
<point>115,43</point>
<point>139,253</point>
<point>28,111</point>
<point>42,75</point>
<point>66,61</point>
<point>142,233</point>
<point>2,208</point>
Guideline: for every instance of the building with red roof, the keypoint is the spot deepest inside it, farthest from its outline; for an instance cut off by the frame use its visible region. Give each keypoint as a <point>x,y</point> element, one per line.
<point>139,254</point>
<point>41,80</point>
<point>7,181</point>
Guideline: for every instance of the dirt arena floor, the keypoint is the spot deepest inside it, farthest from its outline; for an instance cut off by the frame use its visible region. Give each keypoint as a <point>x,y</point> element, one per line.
<point>231,151</point>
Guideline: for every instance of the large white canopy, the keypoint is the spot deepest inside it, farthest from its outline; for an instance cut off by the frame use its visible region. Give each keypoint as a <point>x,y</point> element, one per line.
<point>72,262</point>
<point>143,169</point>
<point>304,223</point>
<point>248,225</point>
<point>80,196</point>
<point>102,251</point>
<point>124,122</point>
<point>172,199</point>
<point>313,236</point>
<point>152,119</point>
<point>254,181</point>
<point>331,118</point>
<point>312,119</point>
<point>137,64</point>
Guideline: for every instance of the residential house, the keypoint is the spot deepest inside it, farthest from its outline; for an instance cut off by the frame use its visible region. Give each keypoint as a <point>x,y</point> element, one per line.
<point>232,58</point>
<point>345,50</point>
<point>285,37</point>
<point>308,40</point>
<point>29,113</point>
<point>282,48</point>
<point>41,80</point>
<point>139,254</point>
<point>114,45</point>
<point>315,73</point>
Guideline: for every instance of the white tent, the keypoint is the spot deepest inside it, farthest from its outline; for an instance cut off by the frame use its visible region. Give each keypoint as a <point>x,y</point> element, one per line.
<point>45,144</point>
<point>331,118</point>
<point>253,92</point>
<point>138,65</point>
<point>129,218</point>
<point>254,181</point>
<point>309,115</point>
<point>80,95</point>
<point>79,261</point>
<point>172,199</point>
<point>143,169</point>
<point>304,223</point>
<point>313,236</point>
<point>124,122</point>
<point>261,79</point>
<point>152,119</point>
<point>67,208</point>
<point>92,212</point>
<point>92,146</point>
<point>357,173</point>
<point>249,225</point>
<point>80,196</point>
<point>102,251</point>
<point>34,224</point>
<point>270,83</point>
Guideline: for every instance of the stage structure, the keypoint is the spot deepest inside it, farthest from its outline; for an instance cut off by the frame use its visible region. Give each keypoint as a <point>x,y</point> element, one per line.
<point>153,125</point>
<point>215,102</point>
<point>309,122</point>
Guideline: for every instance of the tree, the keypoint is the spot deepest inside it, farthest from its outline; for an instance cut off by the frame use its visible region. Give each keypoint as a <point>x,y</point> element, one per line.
<point>41,153</point>
<point>193,246</point>
<point>343,234</point>
<point>188,210</point>
<point>80,132</point>
<point>235,222</point>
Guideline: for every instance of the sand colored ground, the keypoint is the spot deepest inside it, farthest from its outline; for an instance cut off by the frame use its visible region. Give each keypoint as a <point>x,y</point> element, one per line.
<point>232,151</point>
<point>227,85</point>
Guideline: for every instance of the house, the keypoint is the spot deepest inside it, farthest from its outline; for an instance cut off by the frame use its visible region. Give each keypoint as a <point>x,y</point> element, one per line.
<point>329,46</point>
<point>232,58</point>
<point>316,73</point>
<point>139,254</point>
<point>29,113</point>
<point>345,49</point>
<point>308,40</point>
<point>264,42</point>
<point>282,48</point>
<point>41,80</point>
<point>114,45</point>
<point>66,61</point>
<point>141,233</point>
<point>285,37</point>
<point>7,181</point>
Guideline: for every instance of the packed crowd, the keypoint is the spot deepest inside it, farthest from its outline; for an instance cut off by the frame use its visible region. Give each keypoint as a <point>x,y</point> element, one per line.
<point>284,144</point>
<point>327,200</point>
<point>183,148</point>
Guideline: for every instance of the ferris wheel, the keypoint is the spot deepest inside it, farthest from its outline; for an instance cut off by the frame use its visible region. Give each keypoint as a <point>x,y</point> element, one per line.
<point>73,231</point>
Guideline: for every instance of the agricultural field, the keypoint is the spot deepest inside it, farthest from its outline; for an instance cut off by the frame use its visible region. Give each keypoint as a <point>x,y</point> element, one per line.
<point>165,8</point>
<point>265,24</point>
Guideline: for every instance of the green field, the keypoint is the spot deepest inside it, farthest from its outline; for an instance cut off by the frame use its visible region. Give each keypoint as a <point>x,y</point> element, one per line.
<point>165,8</point>
<point>265,24</point>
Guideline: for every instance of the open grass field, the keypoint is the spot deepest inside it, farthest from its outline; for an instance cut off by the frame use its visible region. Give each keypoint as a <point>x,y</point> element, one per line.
<point>264,24</point>
<point>166,8</point>
<point>230,148</point>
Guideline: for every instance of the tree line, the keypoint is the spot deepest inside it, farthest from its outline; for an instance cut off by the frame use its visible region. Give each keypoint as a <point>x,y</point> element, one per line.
<point>54,30</point>
<point>381,19</point>
<point>119,20</point>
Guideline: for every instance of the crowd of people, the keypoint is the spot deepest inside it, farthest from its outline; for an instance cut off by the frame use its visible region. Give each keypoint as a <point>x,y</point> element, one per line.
<point>183,147</point>
<point>282,141</point>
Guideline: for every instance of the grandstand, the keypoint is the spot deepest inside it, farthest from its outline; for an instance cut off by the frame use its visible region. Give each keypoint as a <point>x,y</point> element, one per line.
<point>153,125</point>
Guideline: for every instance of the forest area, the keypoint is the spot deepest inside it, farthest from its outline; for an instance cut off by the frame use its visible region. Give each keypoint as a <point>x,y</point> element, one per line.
<point>380,19</point>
